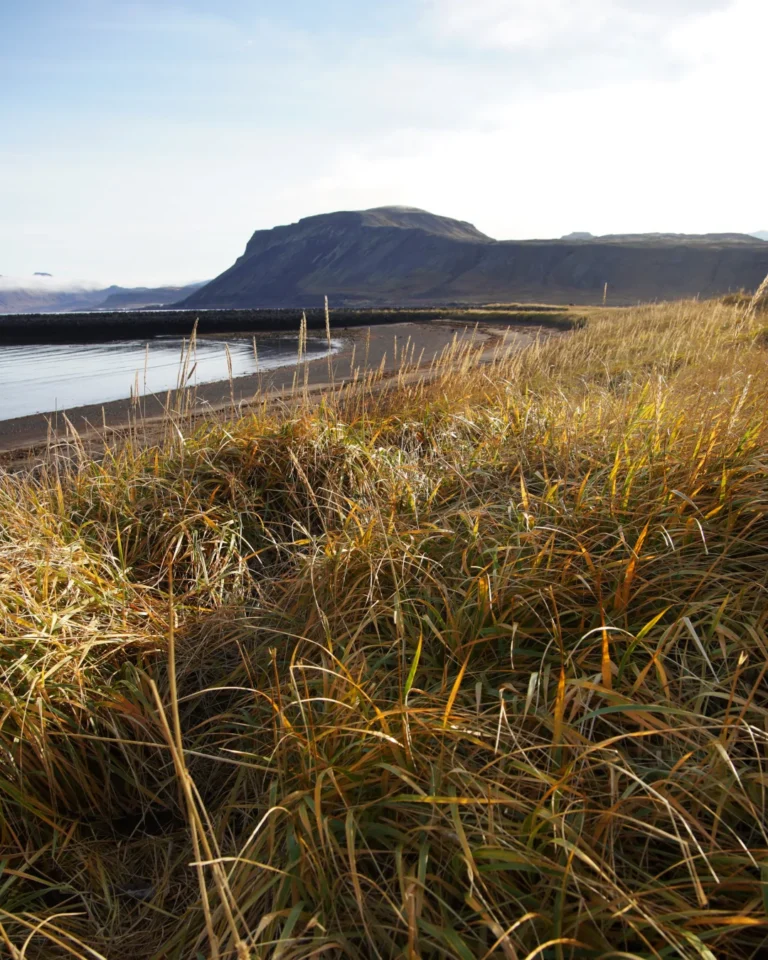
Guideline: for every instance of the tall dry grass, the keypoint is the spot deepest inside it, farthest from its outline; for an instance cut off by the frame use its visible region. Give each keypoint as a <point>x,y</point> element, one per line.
<point>463,667</point>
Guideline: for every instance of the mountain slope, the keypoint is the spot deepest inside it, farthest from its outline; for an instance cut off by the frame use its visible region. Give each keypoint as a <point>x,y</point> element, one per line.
<point>126,298</point>
<point>388,254</point>
<point>403,256</point>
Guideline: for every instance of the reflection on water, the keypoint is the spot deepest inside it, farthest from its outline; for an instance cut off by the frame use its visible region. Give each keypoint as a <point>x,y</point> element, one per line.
<point>39,378</point>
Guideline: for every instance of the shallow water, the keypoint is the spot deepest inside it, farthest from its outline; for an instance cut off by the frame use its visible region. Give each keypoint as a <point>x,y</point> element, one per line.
<point>45,377</point>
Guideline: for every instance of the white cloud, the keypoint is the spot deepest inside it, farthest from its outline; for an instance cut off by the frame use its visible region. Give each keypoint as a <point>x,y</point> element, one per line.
<point>543,24</point>
<point>730,40</point>
<point>650,156</point>
<point>38,284</point>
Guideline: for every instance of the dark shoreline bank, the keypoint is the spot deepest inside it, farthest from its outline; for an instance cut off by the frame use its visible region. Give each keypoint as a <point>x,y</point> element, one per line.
<point>100,327</point>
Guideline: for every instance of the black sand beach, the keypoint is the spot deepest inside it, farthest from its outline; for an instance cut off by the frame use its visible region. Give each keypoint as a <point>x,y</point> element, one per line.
<point>24,439</point>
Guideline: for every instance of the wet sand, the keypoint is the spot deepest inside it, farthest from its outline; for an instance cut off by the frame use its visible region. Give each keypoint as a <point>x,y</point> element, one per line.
<point>25,439</point>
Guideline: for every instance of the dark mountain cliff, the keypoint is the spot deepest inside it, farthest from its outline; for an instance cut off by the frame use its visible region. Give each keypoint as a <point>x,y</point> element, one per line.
<point>404,256</point>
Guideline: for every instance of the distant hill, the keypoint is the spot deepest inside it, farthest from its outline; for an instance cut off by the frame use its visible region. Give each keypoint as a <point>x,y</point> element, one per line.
<point>43,294</point>
<point>761,234</point>
<point>404,256</point>
<point>666,237</point>
<point>122,298</point>
<point>37,297</point>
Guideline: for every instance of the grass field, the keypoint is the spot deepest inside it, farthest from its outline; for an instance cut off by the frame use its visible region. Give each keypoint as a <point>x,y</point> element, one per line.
<point>463,667</point>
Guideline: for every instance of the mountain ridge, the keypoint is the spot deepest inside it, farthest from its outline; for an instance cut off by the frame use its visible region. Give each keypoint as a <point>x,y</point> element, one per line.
<point>48,298</point>
<point>402,256</point>
<point>665,237</point>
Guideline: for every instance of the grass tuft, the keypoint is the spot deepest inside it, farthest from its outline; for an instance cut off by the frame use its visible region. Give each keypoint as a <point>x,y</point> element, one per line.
<point>468,664</point>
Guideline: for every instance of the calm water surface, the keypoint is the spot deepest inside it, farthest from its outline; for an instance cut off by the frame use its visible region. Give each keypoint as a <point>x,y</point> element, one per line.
<point>39,378</point>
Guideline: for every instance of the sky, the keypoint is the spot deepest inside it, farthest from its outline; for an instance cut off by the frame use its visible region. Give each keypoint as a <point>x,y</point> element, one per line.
<point>144,142</point>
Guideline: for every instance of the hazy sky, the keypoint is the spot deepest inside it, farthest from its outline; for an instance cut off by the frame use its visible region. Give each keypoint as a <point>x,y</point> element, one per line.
<point>143,142</point>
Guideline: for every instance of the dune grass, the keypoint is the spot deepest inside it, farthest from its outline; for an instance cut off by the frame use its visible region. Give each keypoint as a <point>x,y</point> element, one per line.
<point>463,667</point>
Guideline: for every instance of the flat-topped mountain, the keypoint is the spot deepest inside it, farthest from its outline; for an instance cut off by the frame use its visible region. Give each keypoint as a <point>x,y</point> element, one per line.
<point>405,256</point>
